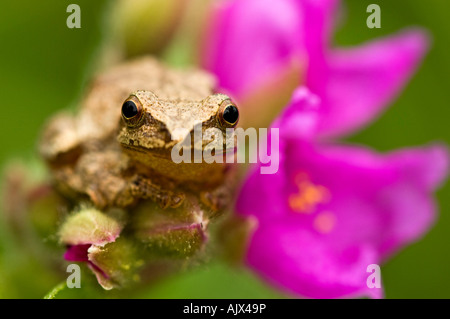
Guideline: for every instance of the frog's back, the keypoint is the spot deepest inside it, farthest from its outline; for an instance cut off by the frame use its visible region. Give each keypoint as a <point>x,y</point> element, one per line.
<point>99,116</point>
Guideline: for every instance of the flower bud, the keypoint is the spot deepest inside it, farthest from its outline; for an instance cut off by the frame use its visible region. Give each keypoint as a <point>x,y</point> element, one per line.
<point>93,237</point>
<point>171,232</point>
<point>137,27</point>
<point>28,203</point>
<point>233,236</point>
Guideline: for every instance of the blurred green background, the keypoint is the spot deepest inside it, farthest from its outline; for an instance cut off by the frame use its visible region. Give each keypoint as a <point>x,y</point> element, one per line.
<point>45,65</point>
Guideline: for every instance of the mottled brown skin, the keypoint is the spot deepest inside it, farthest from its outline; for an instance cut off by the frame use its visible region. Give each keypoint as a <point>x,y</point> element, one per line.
<point>97,155</point>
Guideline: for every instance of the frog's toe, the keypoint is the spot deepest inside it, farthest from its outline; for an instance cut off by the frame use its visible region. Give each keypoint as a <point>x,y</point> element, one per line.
<point>209,200</point>
<point>177,200</point>
<point>171,200</point>
<point>96,197</point>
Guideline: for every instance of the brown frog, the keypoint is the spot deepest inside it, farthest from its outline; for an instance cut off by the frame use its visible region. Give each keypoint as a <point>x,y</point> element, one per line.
<point>117,150</point>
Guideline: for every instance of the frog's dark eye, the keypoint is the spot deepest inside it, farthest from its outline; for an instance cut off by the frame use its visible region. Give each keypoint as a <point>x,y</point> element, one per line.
<point>228,114</point>
<point>132,111</point>
<point>129,109</point>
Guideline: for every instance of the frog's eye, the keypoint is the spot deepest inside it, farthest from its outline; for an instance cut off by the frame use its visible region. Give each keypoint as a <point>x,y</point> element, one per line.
<point>228,114</point>
<point>132,111</point>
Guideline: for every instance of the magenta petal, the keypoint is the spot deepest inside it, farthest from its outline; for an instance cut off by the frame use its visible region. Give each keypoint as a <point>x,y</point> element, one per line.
<point>383,200</point>
<point>298,120</point>
<point>299,261</point>
<point>427,167</point>
<point>421,173</point>
<point>250,40</point>
<point>77,253</point>
<point>301,116</point>
<point>319,23</point>
<point>262,186</point>
<point>374,204</point>
<point>360,82</point>
<point>80,253</point>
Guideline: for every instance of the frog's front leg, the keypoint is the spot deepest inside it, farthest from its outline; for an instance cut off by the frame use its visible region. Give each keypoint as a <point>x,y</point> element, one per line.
<point>103,177</point>
<point>113,190</point>
<point>140,186</point>
<point>220,198</point>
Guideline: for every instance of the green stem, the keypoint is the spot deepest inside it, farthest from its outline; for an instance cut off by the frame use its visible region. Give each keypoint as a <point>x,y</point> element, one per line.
<point>52,294</point>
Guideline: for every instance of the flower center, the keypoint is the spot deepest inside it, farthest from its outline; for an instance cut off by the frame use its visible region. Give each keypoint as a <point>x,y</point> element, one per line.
<point>308,196</point>
<point>306,199</point>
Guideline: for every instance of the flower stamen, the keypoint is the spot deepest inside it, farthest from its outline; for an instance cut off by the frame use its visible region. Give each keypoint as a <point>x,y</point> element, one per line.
<point>309,195</point>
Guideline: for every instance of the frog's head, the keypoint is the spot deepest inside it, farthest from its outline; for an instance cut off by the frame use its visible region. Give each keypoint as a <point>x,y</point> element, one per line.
<point>153,126</point>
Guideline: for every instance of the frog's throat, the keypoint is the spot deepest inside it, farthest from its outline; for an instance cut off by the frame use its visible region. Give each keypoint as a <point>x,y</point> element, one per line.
<point>160,161</point>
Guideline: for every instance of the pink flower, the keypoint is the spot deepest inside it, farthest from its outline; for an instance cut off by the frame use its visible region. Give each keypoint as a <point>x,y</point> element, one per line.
<point>252,44</point>
<point>333,210</point>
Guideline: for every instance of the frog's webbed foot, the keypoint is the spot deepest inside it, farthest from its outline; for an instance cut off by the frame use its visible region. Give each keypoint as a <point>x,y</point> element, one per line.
<point>142,187</point>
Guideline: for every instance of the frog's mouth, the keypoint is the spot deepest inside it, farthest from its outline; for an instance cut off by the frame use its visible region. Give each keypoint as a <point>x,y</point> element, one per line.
<point>158,152</point>
<point>225,153</point>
